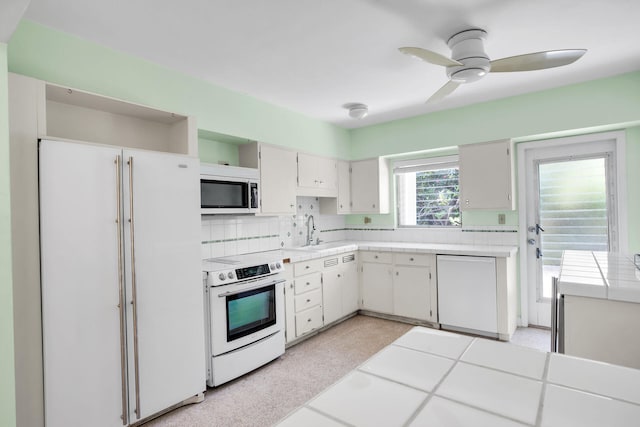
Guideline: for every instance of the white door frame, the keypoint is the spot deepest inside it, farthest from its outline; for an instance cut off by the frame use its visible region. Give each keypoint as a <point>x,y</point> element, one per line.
<point>621,188</point>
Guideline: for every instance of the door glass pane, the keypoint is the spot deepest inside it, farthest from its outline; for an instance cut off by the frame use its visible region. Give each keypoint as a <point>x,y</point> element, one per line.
<point>573,211</point>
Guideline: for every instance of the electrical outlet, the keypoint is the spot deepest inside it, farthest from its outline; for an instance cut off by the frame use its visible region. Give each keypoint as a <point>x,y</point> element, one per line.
<point>367,220</point>
<point>502,219</point>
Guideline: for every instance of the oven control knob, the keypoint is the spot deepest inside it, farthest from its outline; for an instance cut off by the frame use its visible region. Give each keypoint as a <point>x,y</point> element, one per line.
<point>278,266</point>
<point>221,276</point>
<point>272,267</point>
<point>230,275</point>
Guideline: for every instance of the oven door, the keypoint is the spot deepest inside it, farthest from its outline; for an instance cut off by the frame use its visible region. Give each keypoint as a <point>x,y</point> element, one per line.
<point>242,314</point>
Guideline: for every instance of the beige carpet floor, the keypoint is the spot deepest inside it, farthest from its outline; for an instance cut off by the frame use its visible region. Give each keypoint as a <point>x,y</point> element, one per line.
<point>266,395</point>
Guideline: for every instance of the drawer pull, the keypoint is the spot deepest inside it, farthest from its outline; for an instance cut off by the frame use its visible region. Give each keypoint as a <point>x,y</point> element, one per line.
<point>411,259</point>
<point>308,320</point>
<point>307,266</point>
<point>308,283</point>
<point>376,256</point>
<point>308,300</point>
<point>339,276</point>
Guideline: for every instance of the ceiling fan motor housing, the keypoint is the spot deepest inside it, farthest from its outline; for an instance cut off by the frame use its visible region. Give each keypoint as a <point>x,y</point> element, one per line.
<point>467,47</point>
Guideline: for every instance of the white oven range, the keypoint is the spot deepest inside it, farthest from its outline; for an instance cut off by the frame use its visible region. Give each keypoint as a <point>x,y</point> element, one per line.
<point>244,297</point>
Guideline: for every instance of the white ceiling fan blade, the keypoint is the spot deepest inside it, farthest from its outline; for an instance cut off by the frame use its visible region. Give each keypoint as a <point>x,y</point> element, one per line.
<point>537,61</point>
<point>445,90</point>
<point>429,56</point>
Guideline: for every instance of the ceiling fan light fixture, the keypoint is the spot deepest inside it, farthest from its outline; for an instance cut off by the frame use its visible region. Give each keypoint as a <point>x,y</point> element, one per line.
<point>468,75</point>
<point>357,110</point>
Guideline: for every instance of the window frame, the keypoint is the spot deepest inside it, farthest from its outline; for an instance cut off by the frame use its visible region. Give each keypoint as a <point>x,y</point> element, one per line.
<point>425,164</point>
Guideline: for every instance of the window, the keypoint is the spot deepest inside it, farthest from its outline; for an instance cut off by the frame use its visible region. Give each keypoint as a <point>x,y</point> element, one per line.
<point>428,192</point>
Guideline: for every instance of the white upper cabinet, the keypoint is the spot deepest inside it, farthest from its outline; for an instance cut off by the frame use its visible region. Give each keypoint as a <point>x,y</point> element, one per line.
<point>317,176</point>
<point>486,179</point>
<point>342,203</point>
<point>370,186</point>
<point>278,175</point>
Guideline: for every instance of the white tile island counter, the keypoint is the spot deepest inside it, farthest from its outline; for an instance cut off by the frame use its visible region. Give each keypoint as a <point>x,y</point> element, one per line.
<point>435,378</point>
<point>600,307</point>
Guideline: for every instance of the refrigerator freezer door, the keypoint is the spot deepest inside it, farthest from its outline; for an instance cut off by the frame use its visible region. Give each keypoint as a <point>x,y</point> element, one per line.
<point>79,264</point>
<point>168,360</point>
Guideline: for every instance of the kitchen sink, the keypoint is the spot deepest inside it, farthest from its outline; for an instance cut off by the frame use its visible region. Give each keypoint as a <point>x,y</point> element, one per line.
<point>321,247</point>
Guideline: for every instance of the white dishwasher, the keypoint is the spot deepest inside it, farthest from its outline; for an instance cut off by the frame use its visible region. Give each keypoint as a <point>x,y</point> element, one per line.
<point>467,294</point>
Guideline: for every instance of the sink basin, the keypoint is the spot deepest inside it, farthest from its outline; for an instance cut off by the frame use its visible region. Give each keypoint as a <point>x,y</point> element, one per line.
<point>323,246</point>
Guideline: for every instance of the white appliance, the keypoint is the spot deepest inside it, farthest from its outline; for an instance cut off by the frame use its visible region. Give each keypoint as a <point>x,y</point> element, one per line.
<point>467,294</point>
<point>122,318</point>
<point>229,189</point>
<point>245,314</point>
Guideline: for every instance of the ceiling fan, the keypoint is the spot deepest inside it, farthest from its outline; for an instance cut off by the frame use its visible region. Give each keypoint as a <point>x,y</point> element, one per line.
<point>469,62</point>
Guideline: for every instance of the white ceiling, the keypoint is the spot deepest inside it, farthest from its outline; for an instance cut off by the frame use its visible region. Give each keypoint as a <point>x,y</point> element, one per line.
<point>314,56</point>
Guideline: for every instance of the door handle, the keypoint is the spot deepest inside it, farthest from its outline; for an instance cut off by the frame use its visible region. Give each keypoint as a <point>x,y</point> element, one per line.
<point>538,253</point>
<point>539,229</point>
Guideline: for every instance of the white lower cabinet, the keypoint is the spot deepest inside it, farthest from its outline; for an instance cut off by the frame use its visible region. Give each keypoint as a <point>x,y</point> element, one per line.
<point>303,298</point>
<point>400,284</point>
<point>376,279</point>
<point>339,287</point>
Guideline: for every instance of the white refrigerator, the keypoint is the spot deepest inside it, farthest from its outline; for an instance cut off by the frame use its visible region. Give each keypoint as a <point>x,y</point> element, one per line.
<point>122,298</point>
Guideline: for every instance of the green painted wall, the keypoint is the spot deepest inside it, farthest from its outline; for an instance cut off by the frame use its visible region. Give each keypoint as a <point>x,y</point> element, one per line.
<point>590,105</point>
<point>7,376</point>
<point>599,105</point>
<point>633,187</point>
<point>211,151</point>
<point>50,55</point>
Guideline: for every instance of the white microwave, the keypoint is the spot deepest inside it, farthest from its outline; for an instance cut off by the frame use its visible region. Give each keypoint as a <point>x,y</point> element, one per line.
<point>229,190</point>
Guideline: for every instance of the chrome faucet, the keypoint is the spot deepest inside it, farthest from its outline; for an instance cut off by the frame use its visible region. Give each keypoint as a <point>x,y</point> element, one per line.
<point>310,232</point>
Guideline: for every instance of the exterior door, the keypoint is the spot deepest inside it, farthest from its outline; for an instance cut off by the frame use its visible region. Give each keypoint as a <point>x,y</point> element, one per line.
<point>570,205</point>
<point>166,335</point>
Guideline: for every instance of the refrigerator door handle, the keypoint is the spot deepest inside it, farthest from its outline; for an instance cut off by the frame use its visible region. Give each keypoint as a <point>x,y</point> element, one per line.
<point>121,304</point>
<point>134,300</point>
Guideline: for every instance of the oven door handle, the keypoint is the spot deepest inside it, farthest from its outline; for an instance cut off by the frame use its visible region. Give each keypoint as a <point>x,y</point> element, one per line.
<point>263,285</point>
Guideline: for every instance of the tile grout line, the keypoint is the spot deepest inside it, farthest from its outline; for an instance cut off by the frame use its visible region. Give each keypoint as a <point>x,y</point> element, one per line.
<point>543,392</point>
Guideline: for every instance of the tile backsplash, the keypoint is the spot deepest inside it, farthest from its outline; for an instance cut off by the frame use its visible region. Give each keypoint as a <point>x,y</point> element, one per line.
<point>226,235</point>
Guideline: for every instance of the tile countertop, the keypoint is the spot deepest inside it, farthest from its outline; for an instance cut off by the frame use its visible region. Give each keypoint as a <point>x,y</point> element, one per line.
<point>333,248</point>
<point>435,378</point>
<point>601,275</point>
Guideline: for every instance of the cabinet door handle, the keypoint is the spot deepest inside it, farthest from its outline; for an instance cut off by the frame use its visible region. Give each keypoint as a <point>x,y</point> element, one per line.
<point>339,276</point>
<point>307,267</point>
<point>308,300</point>
<point>308,320</point>
<point>411,259</point>
<point>376,256</point>
<point>308,283</point>
<point>397,273</point>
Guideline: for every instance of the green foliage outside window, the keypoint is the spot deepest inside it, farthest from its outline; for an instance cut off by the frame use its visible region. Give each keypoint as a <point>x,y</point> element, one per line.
<point>437,198</point>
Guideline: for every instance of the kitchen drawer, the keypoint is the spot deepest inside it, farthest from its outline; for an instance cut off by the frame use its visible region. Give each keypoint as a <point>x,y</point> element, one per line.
<point>306,267</point>
<point>379,257</point>
<point>414,259</point>
<point>308,320</point>
<point>307,283</point>
<point>308,300</point>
